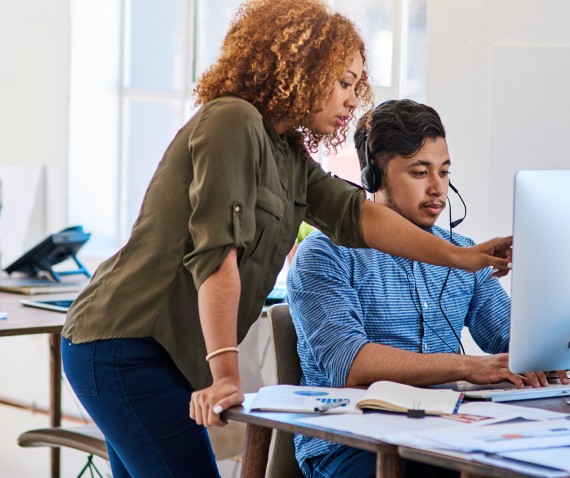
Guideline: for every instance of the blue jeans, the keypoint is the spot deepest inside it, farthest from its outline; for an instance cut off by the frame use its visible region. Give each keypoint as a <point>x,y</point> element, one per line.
<point>346,462</point>
<point>140,401</point>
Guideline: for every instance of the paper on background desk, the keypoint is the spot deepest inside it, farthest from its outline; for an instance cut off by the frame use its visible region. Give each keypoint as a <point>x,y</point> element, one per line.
<point>550,463</point>
<point>501,438</point>
<point>291,398</point>
<point>553,457</point>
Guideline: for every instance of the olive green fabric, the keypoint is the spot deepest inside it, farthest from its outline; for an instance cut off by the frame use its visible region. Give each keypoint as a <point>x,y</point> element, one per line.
<point>225,181</point>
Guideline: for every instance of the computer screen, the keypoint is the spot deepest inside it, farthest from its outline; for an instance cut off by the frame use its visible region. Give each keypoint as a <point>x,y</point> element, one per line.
<point>540,287</point>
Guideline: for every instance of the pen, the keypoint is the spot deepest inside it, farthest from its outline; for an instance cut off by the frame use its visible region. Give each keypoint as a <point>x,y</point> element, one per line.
<point>328,406</point>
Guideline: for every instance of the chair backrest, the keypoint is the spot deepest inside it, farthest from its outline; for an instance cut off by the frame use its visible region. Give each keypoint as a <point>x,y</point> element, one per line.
<point>282,462</point>
<point>287,363</point>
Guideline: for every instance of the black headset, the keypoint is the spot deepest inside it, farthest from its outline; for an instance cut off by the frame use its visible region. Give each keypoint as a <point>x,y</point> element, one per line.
<point>371,178</point>
<point>371,175</point>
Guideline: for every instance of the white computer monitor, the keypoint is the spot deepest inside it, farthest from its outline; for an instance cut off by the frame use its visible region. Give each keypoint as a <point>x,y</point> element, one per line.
<point>540,288</point>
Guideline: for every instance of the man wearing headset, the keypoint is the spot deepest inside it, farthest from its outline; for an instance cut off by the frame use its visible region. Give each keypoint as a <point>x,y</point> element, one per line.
<point>363,316</point>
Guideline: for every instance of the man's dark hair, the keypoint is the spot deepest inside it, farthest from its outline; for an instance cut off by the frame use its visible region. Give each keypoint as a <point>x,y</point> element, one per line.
<point>395,128</point>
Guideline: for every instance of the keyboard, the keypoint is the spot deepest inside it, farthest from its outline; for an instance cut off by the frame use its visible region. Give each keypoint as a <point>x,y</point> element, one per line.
<point>512,394</point>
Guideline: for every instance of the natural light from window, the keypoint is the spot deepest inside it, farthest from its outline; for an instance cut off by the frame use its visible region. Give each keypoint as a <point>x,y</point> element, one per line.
<point>134,64</point>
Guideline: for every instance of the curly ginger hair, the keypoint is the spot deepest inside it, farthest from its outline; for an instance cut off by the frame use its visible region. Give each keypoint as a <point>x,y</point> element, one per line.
<point>284,56</point>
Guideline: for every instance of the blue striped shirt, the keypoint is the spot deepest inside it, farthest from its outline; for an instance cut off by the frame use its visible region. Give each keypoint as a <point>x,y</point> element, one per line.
<point>342,299</point>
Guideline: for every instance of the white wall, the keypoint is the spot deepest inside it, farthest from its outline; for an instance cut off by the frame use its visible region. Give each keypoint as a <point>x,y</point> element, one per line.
<point>34,72</point>
<point>34,85</point>
<point>498,73</point>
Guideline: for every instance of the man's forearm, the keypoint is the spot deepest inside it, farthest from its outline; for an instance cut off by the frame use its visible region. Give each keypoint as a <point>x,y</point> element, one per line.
<point>376,362</point>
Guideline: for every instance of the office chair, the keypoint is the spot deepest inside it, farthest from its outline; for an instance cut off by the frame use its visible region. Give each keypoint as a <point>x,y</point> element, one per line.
<point>282,462</point>
<point>86,438</point>
<point>227,442</point>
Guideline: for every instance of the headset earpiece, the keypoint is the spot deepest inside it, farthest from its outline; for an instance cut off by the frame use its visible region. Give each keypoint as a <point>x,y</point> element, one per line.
<point>370,176</point>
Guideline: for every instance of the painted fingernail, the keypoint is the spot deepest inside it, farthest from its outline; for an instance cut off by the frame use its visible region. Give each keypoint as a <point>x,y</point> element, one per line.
<point>218,409</point>
<point>510,265</point>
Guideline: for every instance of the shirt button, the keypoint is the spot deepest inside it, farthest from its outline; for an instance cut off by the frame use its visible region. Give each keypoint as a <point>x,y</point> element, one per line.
<point>425,305</point>
<point>236,209</point>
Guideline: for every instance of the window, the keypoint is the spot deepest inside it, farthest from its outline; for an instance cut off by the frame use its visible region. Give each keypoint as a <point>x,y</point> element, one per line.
<point>395,34</point>
<point>133,67</point>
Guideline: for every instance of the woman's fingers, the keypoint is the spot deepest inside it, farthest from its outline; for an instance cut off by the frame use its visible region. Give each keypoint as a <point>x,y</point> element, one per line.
<point>207,405</point>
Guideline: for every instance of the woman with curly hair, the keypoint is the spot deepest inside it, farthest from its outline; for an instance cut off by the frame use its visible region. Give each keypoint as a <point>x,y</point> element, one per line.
<point>160,321</point>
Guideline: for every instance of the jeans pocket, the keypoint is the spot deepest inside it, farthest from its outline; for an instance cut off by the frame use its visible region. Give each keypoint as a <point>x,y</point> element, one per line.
<point>79,366</point>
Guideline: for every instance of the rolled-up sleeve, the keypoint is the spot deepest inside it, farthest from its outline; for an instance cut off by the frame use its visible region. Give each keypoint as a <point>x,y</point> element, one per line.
<point>326,311</point>
<point>224,148</point>
<point>335,207</point>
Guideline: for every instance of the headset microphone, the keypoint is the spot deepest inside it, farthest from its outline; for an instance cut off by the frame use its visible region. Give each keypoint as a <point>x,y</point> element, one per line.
<point>456,223</point>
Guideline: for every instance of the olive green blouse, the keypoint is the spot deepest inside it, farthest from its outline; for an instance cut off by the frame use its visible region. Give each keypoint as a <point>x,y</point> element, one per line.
<point>226,180</point>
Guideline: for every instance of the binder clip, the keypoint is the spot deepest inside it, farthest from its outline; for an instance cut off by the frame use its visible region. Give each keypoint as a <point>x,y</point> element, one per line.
<point>416,412</point>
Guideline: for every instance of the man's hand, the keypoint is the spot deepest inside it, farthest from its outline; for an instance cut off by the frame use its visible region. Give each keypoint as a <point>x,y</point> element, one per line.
<point>495,369</point>
<point>223,394</point>
<point>539,379</point>
<point>483,370</point>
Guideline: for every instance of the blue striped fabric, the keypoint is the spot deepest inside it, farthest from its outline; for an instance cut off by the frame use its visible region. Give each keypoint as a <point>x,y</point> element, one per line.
<point>343,298</point>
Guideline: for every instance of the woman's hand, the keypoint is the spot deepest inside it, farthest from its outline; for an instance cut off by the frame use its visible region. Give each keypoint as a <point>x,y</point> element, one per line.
<point>223,394</point>
<point>496,253</point>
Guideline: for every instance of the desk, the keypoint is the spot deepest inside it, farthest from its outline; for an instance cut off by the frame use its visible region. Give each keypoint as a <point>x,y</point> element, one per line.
<point>258,437</point>
<point>27,320</point>
<point>389,463</point>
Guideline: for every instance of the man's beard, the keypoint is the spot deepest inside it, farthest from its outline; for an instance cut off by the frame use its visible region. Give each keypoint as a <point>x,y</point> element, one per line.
<point>392,205</point>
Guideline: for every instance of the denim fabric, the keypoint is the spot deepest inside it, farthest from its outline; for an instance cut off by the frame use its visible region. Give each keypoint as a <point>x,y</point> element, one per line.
<point>140,401</point>
<point>344,462</point>
<point>347,462</point>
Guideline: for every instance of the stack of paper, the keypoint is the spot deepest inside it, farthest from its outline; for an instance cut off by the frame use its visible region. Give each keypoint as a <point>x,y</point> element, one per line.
<point>538,444</point>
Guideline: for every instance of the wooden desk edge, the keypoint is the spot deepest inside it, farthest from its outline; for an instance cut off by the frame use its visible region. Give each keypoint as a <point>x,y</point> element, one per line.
<point>259,432</point>
<point>272,420</point>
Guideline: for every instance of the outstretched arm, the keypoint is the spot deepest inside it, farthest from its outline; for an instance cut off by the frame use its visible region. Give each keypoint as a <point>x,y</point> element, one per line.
<point>387,231</point>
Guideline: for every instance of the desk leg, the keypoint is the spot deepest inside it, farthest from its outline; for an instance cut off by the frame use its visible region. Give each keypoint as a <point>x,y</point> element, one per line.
<point>389,465</point>
<point>257,440</point>
<point>55,396</point>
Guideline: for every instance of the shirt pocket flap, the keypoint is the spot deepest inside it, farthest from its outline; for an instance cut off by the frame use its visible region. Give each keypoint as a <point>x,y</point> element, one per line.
<point>270,202</point>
